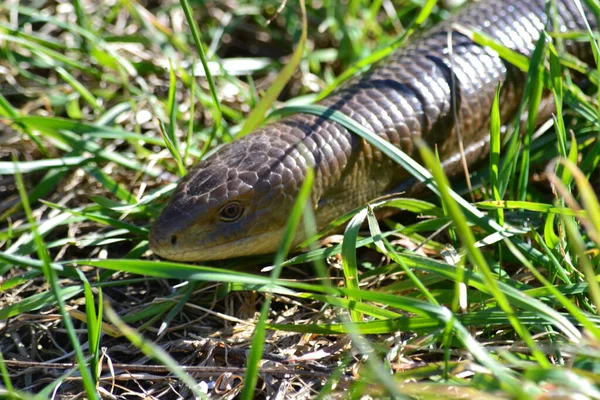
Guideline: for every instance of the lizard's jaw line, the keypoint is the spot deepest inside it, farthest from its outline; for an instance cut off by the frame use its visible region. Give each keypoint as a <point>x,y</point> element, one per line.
<point>263,243</point>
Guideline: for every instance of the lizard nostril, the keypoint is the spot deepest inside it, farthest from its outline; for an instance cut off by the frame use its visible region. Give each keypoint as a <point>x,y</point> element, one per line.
<point>174,240</point>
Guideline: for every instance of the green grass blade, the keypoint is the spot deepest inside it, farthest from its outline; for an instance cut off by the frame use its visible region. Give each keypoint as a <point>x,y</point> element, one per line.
<point>169,134</point>
<point>5,377</point>
<point>495,147</point>
<point>475,255</point>
<point>94,323</point>
<point>52,279</point>
<point>218,113</point>
<point>257,115</point>
<point>576,242</point>
<point>173,148</point>
<point>536,86</point>
<point>530,206</point>
<point>258,339</point>
<point>37,301</point>
<point>349,254</point>
<point>26,167</point>
<point>556,81</point>
<point>85,94</point>
<point>190,131</point>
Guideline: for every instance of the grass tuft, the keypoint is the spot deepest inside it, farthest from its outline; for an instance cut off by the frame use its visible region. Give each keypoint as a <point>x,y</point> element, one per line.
<point>104,105</point>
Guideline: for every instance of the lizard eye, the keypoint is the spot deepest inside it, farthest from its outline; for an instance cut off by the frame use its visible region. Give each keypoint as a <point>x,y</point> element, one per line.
<point>231,211</point>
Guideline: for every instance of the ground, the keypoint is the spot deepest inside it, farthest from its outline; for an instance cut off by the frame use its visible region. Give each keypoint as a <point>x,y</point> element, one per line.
<point>84,87</point>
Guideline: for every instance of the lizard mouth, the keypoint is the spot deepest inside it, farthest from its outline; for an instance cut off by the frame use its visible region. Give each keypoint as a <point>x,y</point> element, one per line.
<point>263,243</point>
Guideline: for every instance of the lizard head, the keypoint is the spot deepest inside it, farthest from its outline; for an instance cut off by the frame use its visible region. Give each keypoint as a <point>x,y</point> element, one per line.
<point>224,209</point>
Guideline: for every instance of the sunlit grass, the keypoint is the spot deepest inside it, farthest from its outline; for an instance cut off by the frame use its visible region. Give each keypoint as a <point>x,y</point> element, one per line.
<point>107,115</point>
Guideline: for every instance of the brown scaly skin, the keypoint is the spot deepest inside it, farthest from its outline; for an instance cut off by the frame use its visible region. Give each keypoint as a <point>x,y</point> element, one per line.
<point>237,202</point>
